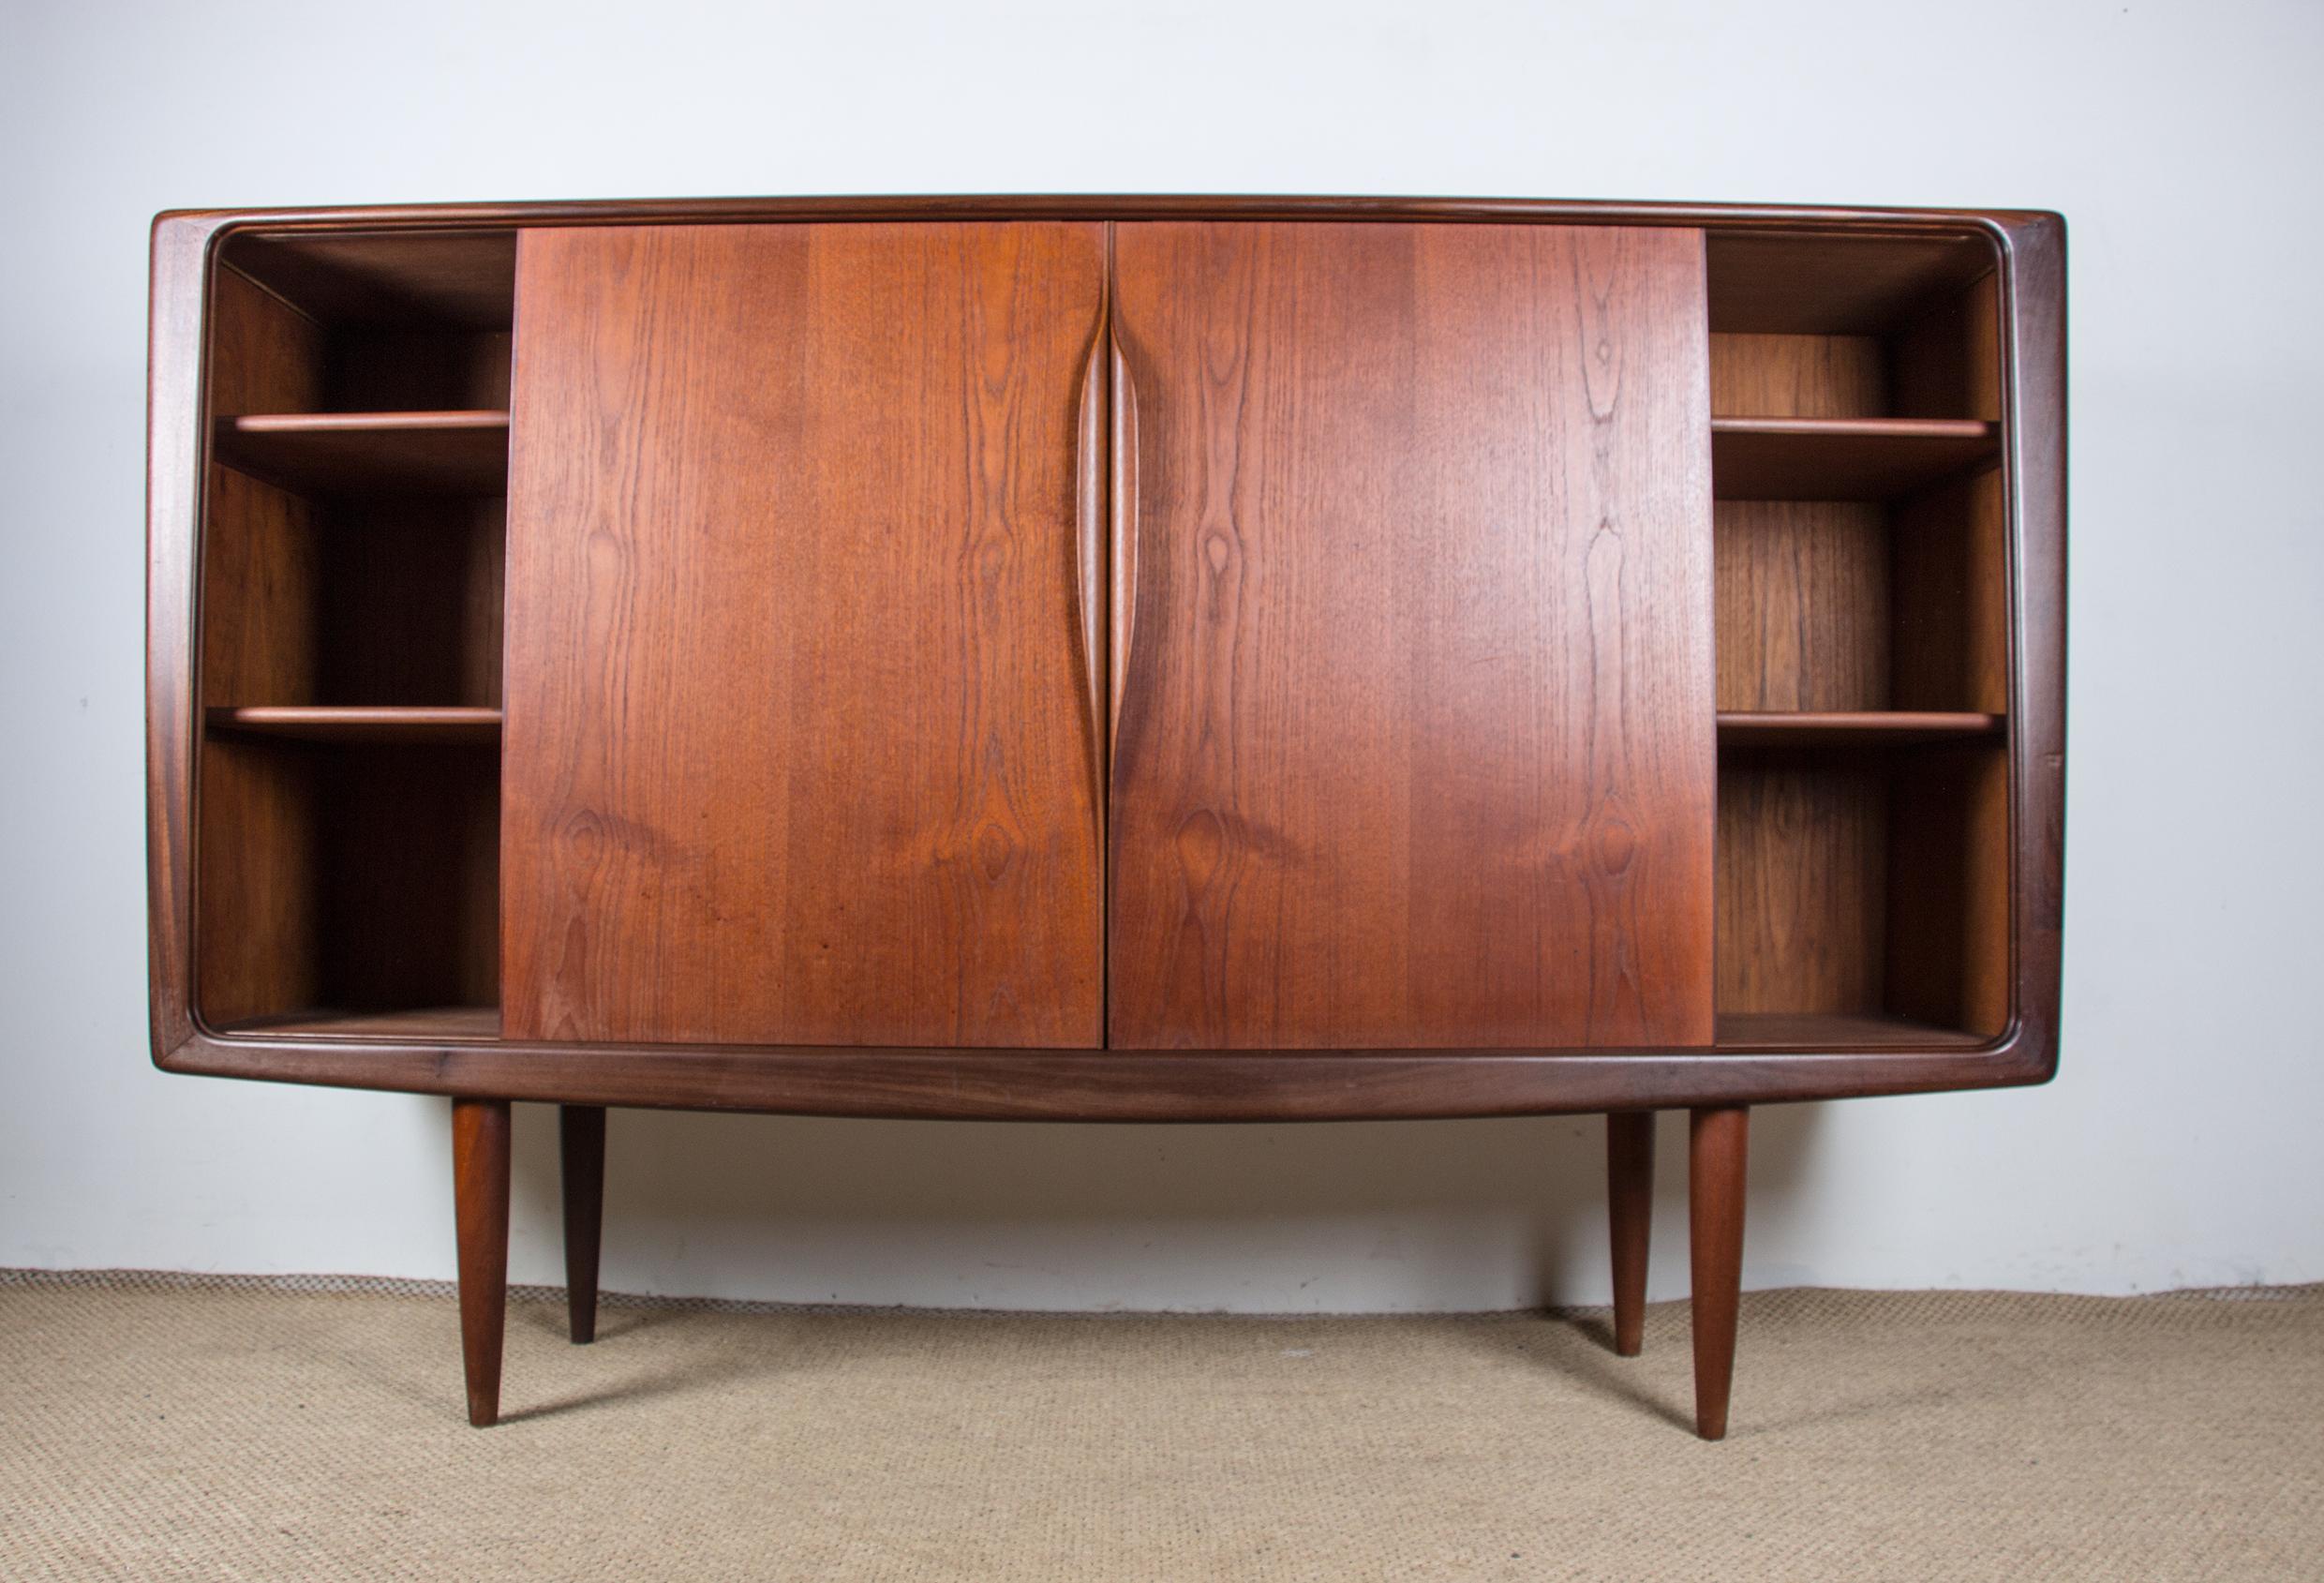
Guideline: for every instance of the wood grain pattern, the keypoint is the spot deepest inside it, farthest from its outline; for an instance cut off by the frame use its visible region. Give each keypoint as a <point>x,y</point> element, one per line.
<point>1804,615</point>
<point>1414,742</point>
<point>1799,377</point>
<point>1803,875</point>
<point>798,736</point>
<point>1858,885</point>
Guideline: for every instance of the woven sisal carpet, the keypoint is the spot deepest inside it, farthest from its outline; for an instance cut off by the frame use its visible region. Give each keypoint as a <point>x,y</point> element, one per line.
<point>153,1428</point>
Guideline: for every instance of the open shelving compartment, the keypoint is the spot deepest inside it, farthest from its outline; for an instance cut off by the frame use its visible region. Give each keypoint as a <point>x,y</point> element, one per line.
<point>353,526</point>
<point>1861,564</point>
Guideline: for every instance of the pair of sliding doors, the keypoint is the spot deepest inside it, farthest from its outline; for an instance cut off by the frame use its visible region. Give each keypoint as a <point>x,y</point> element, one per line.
<point>1164,634</point>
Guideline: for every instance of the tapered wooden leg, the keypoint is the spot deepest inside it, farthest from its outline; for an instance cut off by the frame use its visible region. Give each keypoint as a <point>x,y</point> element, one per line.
<point>1630,1195</point>
<point>480,1193</point>
<point>581,1136</point>
<point>1715,1175</point>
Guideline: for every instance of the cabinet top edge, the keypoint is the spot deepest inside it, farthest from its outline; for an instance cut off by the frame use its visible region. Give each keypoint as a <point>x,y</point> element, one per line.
<point>1113,207</point>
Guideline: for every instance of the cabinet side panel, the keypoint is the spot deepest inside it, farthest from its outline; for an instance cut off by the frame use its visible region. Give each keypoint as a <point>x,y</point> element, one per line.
<point>798,747</point>
<point>1416,736</point>
<point>256,921</point>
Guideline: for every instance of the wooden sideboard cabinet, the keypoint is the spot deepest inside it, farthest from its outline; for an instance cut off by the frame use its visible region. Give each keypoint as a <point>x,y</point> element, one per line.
<point>1141,659</point>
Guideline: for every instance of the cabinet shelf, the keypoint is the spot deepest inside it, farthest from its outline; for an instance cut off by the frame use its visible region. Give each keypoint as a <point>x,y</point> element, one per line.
<point>1757,728</point>
<point>460,452</point>
<point>361,724</point>
<point>1836,1030</point>
<point>1843,458</point>
<point>418,1025</point>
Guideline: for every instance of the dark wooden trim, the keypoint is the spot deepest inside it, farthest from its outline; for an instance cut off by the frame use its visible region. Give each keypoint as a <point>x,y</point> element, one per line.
<point>2034,459</point>
<point>1099,1085</point>
<point>183,248</point>
<point>1248,207</point>
<point>1102,1086</point>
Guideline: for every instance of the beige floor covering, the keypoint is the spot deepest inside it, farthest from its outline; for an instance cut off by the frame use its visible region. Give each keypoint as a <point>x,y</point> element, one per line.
<point>160,1429</point>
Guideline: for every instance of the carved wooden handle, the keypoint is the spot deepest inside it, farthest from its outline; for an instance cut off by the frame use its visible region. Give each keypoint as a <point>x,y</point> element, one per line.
<point>1089,566</point>
<point>1125,535</point>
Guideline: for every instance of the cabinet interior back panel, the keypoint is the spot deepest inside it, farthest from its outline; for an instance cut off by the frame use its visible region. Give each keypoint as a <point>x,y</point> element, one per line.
<point>798,746</point>
<point>1416,734</point>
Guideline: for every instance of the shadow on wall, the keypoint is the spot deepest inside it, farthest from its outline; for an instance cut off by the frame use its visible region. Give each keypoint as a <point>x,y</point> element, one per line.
<point>1321,1217</point>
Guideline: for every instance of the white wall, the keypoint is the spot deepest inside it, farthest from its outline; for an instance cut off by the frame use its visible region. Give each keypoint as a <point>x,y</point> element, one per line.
<point>2179,1147</point>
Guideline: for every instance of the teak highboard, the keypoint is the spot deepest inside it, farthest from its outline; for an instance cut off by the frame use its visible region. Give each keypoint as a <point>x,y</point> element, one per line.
<point>1130,659</point>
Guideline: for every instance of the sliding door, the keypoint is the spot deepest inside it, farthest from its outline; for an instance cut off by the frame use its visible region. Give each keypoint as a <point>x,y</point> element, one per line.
<point>1414,726</point>
<point>800,743</point>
